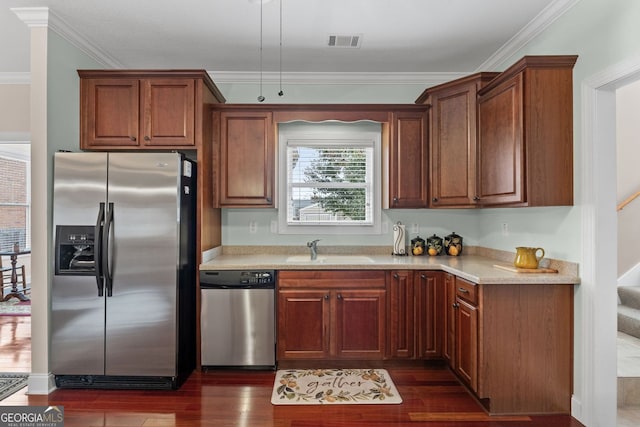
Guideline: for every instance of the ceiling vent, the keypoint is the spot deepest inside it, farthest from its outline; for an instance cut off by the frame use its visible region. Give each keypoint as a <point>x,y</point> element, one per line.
<point>352,41</point>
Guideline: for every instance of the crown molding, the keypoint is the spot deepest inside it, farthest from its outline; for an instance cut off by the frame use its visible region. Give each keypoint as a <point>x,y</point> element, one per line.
<point>15,78</point>
<point>45,17</point>
<point>536,26</point>
<point>331,78</point>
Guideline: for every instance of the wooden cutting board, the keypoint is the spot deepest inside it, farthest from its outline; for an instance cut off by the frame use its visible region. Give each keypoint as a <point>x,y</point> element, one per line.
<point>525,270</point>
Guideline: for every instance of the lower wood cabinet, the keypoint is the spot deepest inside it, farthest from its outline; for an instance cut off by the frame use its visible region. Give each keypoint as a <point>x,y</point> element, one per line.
<point>331,315</point>
<point>429,297</point>
<point>402,315</point>
<point>511,344</point>
<point>466,333</point>
<point>416,307</point>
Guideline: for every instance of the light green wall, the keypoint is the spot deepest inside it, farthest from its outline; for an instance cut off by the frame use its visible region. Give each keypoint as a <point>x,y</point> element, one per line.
<point>63,106</point>
<point>245,93</point>
<point>63,102</point>
<point>441,222</point>
<point>601,33</point>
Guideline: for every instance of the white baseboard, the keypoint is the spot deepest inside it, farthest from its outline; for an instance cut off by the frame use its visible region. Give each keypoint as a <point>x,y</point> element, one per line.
<point>576,408</point>
<point>41,383</point>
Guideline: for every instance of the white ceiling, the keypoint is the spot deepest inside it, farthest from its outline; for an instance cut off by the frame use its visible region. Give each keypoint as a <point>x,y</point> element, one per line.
<point>400,36</point>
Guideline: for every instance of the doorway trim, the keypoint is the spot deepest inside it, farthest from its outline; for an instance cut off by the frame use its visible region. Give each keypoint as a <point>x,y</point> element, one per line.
<point>598,407</point>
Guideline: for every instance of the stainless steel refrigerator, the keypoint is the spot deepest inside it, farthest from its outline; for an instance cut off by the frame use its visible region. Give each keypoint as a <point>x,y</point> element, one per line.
<point>123,291</point>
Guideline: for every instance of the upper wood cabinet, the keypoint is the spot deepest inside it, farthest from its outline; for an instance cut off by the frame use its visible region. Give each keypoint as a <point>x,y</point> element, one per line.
<point>525,139</point>
<point>408,157</point>
<point>452,142</point>
<point>503,139</point>
<point>143,109</point>
<point>246,149</point>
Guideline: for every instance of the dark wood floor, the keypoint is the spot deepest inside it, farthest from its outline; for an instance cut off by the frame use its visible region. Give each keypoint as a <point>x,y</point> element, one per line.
<point>431,397</point>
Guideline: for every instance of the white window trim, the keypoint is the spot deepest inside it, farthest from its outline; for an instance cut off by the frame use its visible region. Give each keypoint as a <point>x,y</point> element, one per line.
<point>340,134</point>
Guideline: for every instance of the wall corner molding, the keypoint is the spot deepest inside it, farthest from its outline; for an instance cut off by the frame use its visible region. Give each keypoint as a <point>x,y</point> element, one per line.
<point>15,78</point>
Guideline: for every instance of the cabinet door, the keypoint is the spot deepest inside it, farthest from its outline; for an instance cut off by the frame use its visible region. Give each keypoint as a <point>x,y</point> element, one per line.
<point>246,159</point>
<point>500,174</point>
<point>467,343</point>
<point>449,344</point>
<point>408,169</point>
<point>168,112</point>
<point>401,315</point>
<point>430,312</point>
<point>453,146</point>
<point>360,324</point>
<point>109,113</point>
<point>303,324</point>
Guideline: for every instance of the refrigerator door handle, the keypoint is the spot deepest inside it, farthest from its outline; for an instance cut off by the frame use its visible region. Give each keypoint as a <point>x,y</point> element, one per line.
<point>98,250</point>
<point>106,248</point>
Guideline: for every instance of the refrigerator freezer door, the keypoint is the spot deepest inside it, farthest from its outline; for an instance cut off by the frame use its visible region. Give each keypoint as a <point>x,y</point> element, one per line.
<point>77,312</point>
<point>140,337</point>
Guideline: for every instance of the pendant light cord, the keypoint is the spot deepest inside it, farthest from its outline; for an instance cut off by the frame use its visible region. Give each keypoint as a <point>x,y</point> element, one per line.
<point>260,97</point>
<point>280,93</point>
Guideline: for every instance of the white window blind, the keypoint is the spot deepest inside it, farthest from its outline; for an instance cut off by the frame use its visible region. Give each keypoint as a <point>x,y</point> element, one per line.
<point>329,178</point>
<point>330,182</point>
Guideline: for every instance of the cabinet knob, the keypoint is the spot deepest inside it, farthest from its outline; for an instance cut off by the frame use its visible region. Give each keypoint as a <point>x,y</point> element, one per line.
<point>395,200</point>
<point>133,138</point>
<point>422,276</point>
<point>339,296</point>
<point>435,199</point>
<point>146,138</point>
<point>268,199</point>
<point>463,290</point>
<point>476,198</point>
<point>326,297</point>
<point>395,276</point>
<point>454,305</point>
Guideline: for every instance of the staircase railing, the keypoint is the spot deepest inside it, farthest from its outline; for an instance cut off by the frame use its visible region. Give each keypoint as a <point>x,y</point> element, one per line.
<point>628,200</point>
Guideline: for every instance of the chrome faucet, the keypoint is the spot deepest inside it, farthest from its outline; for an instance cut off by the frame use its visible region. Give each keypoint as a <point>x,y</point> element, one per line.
<point>312,245</point>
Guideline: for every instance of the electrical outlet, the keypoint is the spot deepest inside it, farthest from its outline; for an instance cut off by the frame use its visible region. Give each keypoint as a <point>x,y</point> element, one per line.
<point>415,228</point>
<point>274,226</point>
<point>253,227</point>
<point>505,229</point>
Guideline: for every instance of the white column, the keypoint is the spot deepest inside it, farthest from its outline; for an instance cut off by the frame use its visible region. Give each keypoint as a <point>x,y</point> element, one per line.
<point>40,380</point>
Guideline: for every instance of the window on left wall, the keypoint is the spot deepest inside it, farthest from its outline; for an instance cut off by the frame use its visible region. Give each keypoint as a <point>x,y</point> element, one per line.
<point>15,195</point>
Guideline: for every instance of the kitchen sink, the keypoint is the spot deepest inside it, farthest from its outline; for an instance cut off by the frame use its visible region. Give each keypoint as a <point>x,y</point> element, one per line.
<point>332,259</point>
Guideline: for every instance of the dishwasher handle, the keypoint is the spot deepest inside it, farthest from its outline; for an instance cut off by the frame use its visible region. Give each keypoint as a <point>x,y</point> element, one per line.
<point>238,286</point>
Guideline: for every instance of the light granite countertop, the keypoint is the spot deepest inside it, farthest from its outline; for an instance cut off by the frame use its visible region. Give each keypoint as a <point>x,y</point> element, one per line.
<point>476,264</point>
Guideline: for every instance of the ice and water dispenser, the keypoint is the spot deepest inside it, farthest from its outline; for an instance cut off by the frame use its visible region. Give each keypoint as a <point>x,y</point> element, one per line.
<point>75,250</point>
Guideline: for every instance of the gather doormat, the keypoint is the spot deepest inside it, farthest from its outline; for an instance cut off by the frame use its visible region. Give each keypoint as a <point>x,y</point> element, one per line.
<point>10,383</point>
<point>334,386</point>
<point>15,307</point>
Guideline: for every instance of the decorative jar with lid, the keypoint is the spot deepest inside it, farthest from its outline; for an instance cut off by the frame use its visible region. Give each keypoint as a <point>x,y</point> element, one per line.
<point>417,246</point>
<point>453,244</point>
<point>434,245</point>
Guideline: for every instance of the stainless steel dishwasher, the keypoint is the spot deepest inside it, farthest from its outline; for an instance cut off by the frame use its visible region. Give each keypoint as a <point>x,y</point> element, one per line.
<point>237,320</point>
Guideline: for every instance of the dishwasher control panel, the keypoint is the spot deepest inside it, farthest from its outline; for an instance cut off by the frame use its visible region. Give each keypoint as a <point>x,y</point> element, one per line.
<point>238,277</point>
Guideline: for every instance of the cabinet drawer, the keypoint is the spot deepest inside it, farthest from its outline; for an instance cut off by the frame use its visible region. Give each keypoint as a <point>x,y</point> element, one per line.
<point>331,279</point>
<point>467,291</point>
